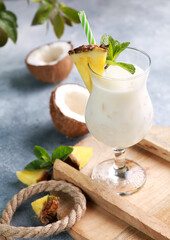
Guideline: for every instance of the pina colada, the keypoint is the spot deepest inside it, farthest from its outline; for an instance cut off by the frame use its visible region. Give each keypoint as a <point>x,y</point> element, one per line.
<point>119,111</point>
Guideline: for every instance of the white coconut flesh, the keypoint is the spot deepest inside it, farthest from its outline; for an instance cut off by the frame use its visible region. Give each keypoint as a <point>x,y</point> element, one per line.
<point>71,99</point>
<point>49,54</point>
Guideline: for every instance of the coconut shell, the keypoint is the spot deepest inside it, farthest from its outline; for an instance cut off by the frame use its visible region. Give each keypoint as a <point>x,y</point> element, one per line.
<point>51,73</point>
<point>64,124</point>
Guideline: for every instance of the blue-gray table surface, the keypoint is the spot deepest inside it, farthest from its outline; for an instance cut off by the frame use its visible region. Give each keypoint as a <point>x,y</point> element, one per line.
<point>24,102</point>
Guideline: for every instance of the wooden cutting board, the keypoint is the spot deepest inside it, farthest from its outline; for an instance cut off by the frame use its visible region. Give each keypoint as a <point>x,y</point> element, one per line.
<point>153,199</point>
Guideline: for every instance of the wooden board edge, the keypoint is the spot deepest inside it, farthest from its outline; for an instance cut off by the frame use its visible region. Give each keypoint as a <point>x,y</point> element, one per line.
<point>156,149</point>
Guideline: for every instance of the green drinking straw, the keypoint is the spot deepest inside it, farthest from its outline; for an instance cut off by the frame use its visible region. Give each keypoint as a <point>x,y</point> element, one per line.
<point>86,27</point>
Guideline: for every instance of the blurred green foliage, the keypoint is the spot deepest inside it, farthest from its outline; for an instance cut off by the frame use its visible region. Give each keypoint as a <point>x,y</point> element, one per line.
<point>50,11</point>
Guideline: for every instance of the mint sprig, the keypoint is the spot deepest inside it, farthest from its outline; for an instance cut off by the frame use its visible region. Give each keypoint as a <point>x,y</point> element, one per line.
<point>61,153</point>
<point>44,161</point>
<point>114,49</point>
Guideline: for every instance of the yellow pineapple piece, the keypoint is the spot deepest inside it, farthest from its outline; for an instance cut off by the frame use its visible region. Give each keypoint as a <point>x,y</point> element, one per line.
<point>89,54</point>
<point>80,156</point>
<point>38,204</point>
<point>30,177</point>
<point>46,208</point>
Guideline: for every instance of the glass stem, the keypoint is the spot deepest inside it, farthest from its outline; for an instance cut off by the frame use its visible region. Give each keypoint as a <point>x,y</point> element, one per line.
<point>119,160</point>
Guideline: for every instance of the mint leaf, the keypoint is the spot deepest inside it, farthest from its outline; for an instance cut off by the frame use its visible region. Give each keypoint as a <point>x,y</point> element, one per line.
<point>116,47</point>
<point>42,14</point>
<point>38,164</point>
<point>46,165</point>
<point>124,45</point>
<point>61,152</point>
<point>104,39</point>
<point>129,67</point>
<point>71,13</point>
<point>120,48</point>
<point>2,6</point>
<point>10,29</point>
<point>41,154</point>
<point>34,165</point>
<point>111,48</point>
<point>9,16</point>
<point>58,25</point>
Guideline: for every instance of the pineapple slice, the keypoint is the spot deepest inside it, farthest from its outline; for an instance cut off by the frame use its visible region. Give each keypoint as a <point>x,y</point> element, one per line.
<point>30,177</point>
<point>46,208</point>
<point>89,54</point>
<point>80,156</point>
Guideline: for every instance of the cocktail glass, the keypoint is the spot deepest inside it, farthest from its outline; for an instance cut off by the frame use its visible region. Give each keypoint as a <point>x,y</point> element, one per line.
<point>119,113</point>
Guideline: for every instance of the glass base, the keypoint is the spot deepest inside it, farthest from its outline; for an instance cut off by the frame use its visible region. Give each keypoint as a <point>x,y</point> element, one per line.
<point>124,181</point>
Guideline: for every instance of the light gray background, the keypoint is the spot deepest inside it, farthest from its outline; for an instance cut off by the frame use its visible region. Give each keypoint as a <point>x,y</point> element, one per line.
<point>24,101</point>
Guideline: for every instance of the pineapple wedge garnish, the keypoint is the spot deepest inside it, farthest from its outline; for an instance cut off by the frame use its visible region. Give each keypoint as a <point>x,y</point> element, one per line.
<point>46,208</point>
<point>31,177</point>
<point>93,55</point>
<point>80,156</point>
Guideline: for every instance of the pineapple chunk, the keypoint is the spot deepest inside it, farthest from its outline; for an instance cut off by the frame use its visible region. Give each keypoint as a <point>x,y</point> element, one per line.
<point>89,54</point>
<point>38,204</point>
<point>80,156</point>
<point>46,208</point>
<point>30,177</point>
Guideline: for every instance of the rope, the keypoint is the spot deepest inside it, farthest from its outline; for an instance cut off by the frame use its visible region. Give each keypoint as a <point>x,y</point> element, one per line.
<point>7,232</point>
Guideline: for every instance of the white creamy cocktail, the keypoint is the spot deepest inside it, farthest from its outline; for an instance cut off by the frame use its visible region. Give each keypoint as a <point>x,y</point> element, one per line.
<point>119,113</point>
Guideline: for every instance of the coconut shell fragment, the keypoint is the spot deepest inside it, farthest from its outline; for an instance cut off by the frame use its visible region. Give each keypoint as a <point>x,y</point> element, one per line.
<point>67,125</point>
<point>51,70</point>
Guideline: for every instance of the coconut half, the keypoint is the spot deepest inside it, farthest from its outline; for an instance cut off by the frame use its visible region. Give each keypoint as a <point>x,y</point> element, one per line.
<point>51,62</point>
<point>67,108</point>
